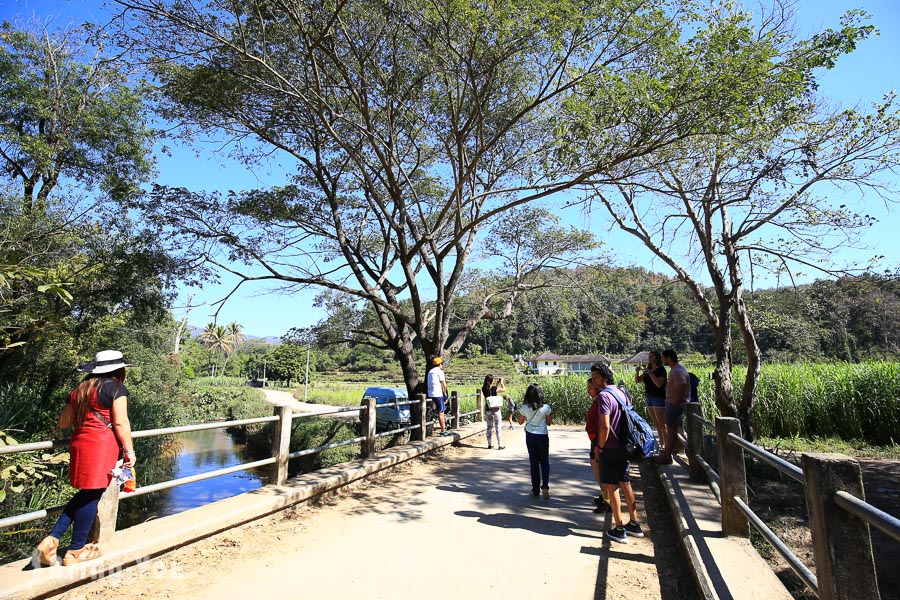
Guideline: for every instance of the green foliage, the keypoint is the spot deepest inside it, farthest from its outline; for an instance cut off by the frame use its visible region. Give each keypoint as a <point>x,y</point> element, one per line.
<point>312,432</point>
<point>20,470</point>
<point>207,403</point>
<point>69,111</point>
<point>286,362</point>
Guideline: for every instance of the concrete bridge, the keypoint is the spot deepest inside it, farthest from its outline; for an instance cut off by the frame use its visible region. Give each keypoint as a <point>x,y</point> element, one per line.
<point>440,518</point>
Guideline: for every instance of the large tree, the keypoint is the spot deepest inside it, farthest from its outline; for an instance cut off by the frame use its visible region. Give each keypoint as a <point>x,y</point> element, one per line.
<point>413,126</point>
<point>69,108</point>
<point>767,191</point>
<point>74,142</point>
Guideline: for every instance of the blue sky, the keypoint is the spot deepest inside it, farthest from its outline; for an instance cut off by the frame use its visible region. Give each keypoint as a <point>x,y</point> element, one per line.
<point>862,77</point>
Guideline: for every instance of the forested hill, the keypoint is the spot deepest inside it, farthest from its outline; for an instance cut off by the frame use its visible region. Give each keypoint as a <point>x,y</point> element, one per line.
<point>620,311</point>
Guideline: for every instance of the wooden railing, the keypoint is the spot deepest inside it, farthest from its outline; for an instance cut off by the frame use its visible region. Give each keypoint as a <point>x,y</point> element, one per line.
<point>839,517</point>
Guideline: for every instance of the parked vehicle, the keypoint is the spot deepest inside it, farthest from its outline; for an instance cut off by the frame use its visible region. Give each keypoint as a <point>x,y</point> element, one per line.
<point>389,417</point>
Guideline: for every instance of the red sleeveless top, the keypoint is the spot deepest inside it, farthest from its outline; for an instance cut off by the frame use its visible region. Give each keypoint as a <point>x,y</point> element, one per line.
<point>95,449</point>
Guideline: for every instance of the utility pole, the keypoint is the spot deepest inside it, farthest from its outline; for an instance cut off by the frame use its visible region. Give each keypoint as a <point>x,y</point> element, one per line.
<point>306,390</point>
<point>264,371</point>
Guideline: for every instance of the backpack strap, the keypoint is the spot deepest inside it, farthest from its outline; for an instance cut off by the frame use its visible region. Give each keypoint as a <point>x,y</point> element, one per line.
<point>623,420</point>
<point>615,394</point>
<point>536,413</point>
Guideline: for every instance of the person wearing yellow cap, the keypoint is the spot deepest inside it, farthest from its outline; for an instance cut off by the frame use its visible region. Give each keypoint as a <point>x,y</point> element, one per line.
<point>437,391</point>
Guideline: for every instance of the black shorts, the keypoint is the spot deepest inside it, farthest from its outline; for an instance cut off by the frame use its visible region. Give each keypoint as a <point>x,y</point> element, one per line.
<point>613,466</point>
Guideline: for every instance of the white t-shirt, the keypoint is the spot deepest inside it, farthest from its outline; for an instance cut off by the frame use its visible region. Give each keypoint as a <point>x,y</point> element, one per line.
<point>435,377</point>
<point>536,420</point>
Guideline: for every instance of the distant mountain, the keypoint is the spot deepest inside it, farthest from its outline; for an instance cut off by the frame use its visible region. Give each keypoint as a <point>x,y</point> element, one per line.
<point>269,339</point>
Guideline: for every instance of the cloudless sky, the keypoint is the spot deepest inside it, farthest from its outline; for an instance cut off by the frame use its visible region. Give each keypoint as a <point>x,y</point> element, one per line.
<point>862,77</point>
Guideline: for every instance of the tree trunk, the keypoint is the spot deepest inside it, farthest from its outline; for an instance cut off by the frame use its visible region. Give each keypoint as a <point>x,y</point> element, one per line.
<point>402,344</point>
<point>722,374</point>
<point>754,359</point>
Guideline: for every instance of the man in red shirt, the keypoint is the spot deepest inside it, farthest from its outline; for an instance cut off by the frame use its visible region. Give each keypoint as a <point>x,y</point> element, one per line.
<point>678,393</point>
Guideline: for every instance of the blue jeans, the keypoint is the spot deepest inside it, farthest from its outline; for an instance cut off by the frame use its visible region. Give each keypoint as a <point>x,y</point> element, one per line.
<point>80,510</point>
<point>539,456</point>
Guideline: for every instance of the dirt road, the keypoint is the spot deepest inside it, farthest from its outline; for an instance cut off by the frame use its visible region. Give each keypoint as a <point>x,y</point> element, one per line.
<point>458,524</point>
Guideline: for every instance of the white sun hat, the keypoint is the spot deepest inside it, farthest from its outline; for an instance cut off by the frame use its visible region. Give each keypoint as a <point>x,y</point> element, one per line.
<point>106,361</point>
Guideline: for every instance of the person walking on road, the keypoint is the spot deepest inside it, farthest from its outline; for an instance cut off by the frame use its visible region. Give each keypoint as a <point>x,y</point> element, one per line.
<point>535,415</point>
<point>492,415</point>
<point>98,411</point>
<point>653,377</point>
<point>613,464</point>
<point>511,408</point>
<point>437,392</point>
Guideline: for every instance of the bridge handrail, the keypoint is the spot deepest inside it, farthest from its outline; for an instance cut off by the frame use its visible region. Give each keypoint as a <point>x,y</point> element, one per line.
<point>792,471</point>
<point>144,433</point>
<point>868,513</point>
<point>808,577</point>
<point>827,480</point>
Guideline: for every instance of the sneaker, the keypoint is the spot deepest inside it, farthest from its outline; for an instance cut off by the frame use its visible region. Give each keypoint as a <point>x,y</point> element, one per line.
<point>617,534</point>
<point>445,433</point>
<point>633,529</point>
<point>599,501</point>
<point>546,493</point>
<point>602,509</point>
<point>489,446</point>
<point>535,493</point>
<point>501,447</point>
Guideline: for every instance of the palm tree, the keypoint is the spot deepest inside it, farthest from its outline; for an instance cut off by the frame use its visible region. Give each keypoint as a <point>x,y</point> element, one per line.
<point>215,338</point>
<point>235,340</point>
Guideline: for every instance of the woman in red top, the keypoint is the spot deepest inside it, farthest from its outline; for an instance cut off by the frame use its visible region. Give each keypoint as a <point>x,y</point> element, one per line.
<point>98,410</point>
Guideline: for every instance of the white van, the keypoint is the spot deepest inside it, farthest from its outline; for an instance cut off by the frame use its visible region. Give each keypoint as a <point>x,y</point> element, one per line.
<point>389,417</point>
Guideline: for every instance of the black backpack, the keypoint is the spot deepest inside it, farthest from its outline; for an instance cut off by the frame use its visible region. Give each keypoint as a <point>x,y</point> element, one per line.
<point>635,433</point>
<point>695,387</point>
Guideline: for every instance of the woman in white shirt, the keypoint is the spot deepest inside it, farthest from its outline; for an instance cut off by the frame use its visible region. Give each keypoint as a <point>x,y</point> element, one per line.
<point>535,415</point>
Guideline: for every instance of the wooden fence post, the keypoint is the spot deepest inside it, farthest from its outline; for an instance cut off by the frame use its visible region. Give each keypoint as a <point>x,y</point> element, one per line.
<point>417,417</point>
<point>479,406</point>
<point>367,428</point>
<point>281,444</point>
<point>104,526</point>
<point>732,478</point>
<point>454,410</point>
<point>694,430</point>
<point>842,543</point>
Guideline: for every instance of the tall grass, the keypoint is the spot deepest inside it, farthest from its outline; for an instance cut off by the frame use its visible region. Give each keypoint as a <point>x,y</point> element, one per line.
<point>567,394</point>
<point>842,400</point>
<point>845,400</point>
<point>337,393</point>
<point>218,382</point>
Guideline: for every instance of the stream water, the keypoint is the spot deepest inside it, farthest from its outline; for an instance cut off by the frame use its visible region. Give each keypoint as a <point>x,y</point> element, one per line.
<point>197,452</point>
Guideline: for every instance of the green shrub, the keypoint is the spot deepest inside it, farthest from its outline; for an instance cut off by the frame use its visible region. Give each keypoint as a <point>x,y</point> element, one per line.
<point>206,404</point>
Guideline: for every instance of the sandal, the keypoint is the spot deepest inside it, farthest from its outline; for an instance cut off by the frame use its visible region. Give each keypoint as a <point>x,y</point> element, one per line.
<point>45,553</point>
<point>89,552</point>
